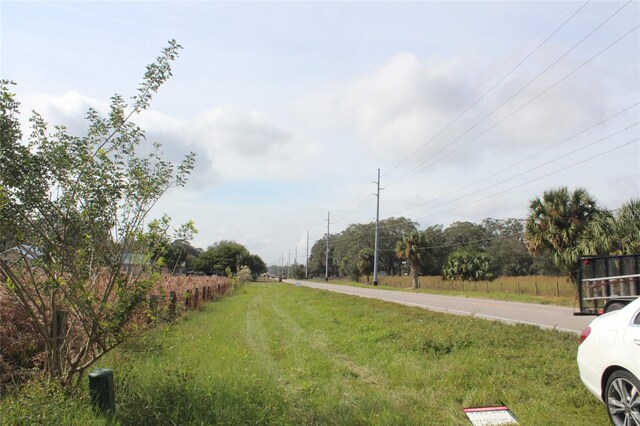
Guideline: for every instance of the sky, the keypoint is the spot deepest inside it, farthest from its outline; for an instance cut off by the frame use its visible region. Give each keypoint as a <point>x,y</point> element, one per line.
<point>469,109</point>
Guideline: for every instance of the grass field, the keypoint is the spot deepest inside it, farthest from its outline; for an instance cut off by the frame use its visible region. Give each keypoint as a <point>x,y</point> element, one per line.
<point>532,289</point>
<point>279,354</point>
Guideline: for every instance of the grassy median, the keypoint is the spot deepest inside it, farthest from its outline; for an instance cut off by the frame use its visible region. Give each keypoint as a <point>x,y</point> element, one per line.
<point>280,354</point>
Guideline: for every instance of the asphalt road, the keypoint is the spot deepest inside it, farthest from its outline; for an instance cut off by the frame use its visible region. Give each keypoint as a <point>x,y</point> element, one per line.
<point>545,316</point>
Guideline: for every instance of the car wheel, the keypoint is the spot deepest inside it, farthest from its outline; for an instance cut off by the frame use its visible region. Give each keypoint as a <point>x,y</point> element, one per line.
<point>622,396</point>
<point>614,307</point>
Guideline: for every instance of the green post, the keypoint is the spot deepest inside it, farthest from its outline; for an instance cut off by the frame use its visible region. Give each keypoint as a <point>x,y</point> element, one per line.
<point>101,390</point>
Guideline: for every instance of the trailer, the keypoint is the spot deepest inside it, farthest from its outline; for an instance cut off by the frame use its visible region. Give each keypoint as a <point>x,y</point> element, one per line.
<point>607,283</point>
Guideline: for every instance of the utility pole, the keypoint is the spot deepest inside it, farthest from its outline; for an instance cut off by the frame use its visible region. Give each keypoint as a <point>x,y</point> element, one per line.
<point>281,266</point>
<point>326,262</point>
<point>295,259</point>
<point>289,264</point>
<point>375,249</point>
<point>306,262</point>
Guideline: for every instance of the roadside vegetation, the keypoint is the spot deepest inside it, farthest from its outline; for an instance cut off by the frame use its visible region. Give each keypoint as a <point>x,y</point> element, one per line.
<point>278,354</point>
<point>495,255</point>
<point>546,290</point>
<point>85,275</point>
<point>82,263</point>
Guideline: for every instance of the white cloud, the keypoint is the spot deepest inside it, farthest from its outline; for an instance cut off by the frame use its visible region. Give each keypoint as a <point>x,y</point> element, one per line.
<point>555,107</point>
<point>68,110</point>
<point>245,145</point>
<point>242,133</point>
<point>230,143</point>
<point>405,102</point>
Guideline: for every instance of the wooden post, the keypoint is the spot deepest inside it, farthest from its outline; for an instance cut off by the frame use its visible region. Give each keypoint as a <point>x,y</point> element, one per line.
<point>58,332</point>
<point>153,307</point>
<point>536,283</point>
<point>187,299</point>
<point>518,292</point>
<point>557,289</point>
<point>204,294</point>
<point>172,303</point>
<point>195,297</point>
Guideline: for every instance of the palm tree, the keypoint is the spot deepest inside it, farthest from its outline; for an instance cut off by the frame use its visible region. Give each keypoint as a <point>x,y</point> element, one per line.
<point>410,248</point>
<point>557,222</point>
<point>609,234</point>
<point>365,262</point>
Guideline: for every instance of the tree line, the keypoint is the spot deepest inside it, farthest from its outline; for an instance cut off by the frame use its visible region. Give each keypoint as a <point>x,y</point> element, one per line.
<point>561,226</point>
<point>223,258</point>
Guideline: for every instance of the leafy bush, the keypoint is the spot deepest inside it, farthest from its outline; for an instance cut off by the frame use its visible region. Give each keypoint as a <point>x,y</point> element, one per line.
<point>244,275</point>
<point>76,206</point>
<point>468,266</point>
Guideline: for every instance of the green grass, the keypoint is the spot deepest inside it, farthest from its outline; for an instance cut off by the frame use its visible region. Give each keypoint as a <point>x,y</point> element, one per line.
<point>541,290</point>
<point>279,354</point>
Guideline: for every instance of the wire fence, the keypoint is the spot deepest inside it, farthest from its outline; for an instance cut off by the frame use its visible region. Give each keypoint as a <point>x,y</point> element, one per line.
<point>550,286</point>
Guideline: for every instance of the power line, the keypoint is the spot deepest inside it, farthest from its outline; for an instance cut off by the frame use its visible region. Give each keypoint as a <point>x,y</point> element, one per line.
<point>355,210</point>
<point>474,103</point>
<point>529,170</point>
<point>423,164</point>
<point>558,28</point>
<point>525,183</point>
<point>464,243</point>
<point>517,110</point>
<point>538,178</point>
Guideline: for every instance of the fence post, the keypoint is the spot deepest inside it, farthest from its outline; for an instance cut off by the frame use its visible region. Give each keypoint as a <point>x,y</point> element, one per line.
<point>536,287</point>
<point>153,306</point>
<point>187,299</point>
<point>487,286</point>
<point>172,303</point>
<point>557,289</point>
<point>204,294</point>
<point>195,297</point>
<point>518,287</point>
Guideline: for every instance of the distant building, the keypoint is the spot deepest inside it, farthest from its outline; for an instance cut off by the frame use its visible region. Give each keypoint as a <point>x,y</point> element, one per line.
<point>20,253</point>
<point>134,263</point>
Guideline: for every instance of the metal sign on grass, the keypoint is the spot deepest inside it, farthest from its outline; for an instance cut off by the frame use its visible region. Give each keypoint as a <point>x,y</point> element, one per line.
<point>490,416</point>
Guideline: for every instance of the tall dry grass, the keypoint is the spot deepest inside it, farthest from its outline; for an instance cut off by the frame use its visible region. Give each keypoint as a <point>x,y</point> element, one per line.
<point>530,285</point>
<point>21,349</point>
<point>21,346</point>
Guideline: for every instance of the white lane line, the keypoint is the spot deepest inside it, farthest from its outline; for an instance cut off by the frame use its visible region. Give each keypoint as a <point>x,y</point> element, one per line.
<point>452,311</point>
<point>475,314</point>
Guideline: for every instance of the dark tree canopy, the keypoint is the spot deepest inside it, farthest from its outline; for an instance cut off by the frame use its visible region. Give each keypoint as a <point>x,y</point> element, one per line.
<point>556,223</point>
<point>226,258</point>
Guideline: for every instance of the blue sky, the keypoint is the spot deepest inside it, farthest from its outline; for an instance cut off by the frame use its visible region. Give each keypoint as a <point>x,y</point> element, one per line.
<point>292,106</point>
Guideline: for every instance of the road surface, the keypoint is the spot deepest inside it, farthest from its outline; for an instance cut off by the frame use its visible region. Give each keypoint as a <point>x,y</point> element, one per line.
<point>545,316</point>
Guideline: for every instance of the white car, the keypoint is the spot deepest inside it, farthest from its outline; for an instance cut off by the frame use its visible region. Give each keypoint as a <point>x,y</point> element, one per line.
<point>609,362</point>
